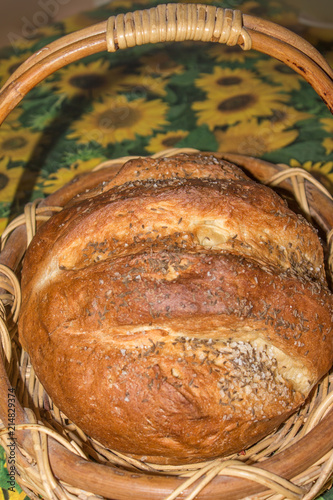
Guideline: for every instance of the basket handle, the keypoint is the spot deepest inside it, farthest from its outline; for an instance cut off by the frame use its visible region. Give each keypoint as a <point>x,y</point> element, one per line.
<point>172,22</point>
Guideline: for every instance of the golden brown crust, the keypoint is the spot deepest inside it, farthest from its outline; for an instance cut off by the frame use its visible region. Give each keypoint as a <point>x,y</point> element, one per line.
<point>181,314</point>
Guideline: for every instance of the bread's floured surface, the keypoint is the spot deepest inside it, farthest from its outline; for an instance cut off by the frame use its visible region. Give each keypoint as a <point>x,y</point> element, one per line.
<point>180,312</point>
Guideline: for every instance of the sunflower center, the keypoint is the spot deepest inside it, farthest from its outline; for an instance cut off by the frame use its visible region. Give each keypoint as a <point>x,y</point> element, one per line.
<point>122,116</point>
<point>168,142</point>
<point>237,102</point>
<point>229,80</point>
<point>278,115</point>
<point>88,81</point>
<point>282,68</point>
<point>165,65</point>
<point>137,89</point>
<point>14,143</point>
<point>3,181</point>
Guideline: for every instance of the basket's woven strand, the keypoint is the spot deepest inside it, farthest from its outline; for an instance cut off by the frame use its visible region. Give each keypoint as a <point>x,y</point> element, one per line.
<point>12,284</point>
<point>330,246</point>
<point>177,22</point>
<point>323,477</point>
<point>50,487</point>
<point>287,489</point>
<point>237,468</point>
<point>320,412</point>
<point>51,432</point>
<point>298,176</point>
<point>9,282</point>
<point>4,333</point>
<point>31,216</point>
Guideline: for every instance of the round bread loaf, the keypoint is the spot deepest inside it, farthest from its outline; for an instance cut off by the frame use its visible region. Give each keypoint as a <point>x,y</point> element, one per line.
<point>179,312</point>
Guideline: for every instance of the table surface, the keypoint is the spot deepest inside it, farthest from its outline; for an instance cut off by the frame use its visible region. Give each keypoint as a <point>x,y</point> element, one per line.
<point>149,98</point>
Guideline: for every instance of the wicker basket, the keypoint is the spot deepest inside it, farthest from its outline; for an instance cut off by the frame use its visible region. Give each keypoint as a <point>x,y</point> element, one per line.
<point>54,458</point>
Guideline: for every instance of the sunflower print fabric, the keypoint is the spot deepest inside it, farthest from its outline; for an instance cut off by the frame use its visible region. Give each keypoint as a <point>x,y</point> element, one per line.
<point>145,99</point>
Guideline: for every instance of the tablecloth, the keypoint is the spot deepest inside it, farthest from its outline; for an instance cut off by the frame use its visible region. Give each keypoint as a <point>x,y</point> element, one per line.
<point>149,98</point>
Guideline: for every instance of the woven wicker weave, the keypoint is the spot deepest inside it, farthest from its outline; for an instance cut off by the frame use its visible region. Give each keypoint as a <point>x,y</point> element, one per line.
<point>54,458</point>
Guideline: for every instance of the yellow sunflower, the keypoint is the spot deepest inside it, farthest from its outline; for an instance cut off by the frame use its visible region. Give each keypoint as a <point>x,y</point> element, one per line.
<point>26,41</point>
<point>8,66</point>
<point>287,115</point>
<point>96,78</point>
<point>12,121</point>
<point>239,105</point>
<point>222,52</point>
<point>165,141</point>
<point>13,495</point>
<point>65,175</point>
<point>253,138</point>
<point>12,182</point>
<point>90,79</point>
<point>46,31</point>
<point>279,73</point>
<point>159,64</point>
<point>328,141</point>
<point>322,171</point>
<point>117,119</point>
<point>18,145</point>
<point>3,225</point>
<point>223,81</point>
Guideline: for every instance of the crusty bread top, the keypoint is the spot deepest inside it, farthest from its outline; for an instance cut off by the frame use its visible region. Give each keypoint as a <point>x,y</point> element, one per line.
<point>249,219</point>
